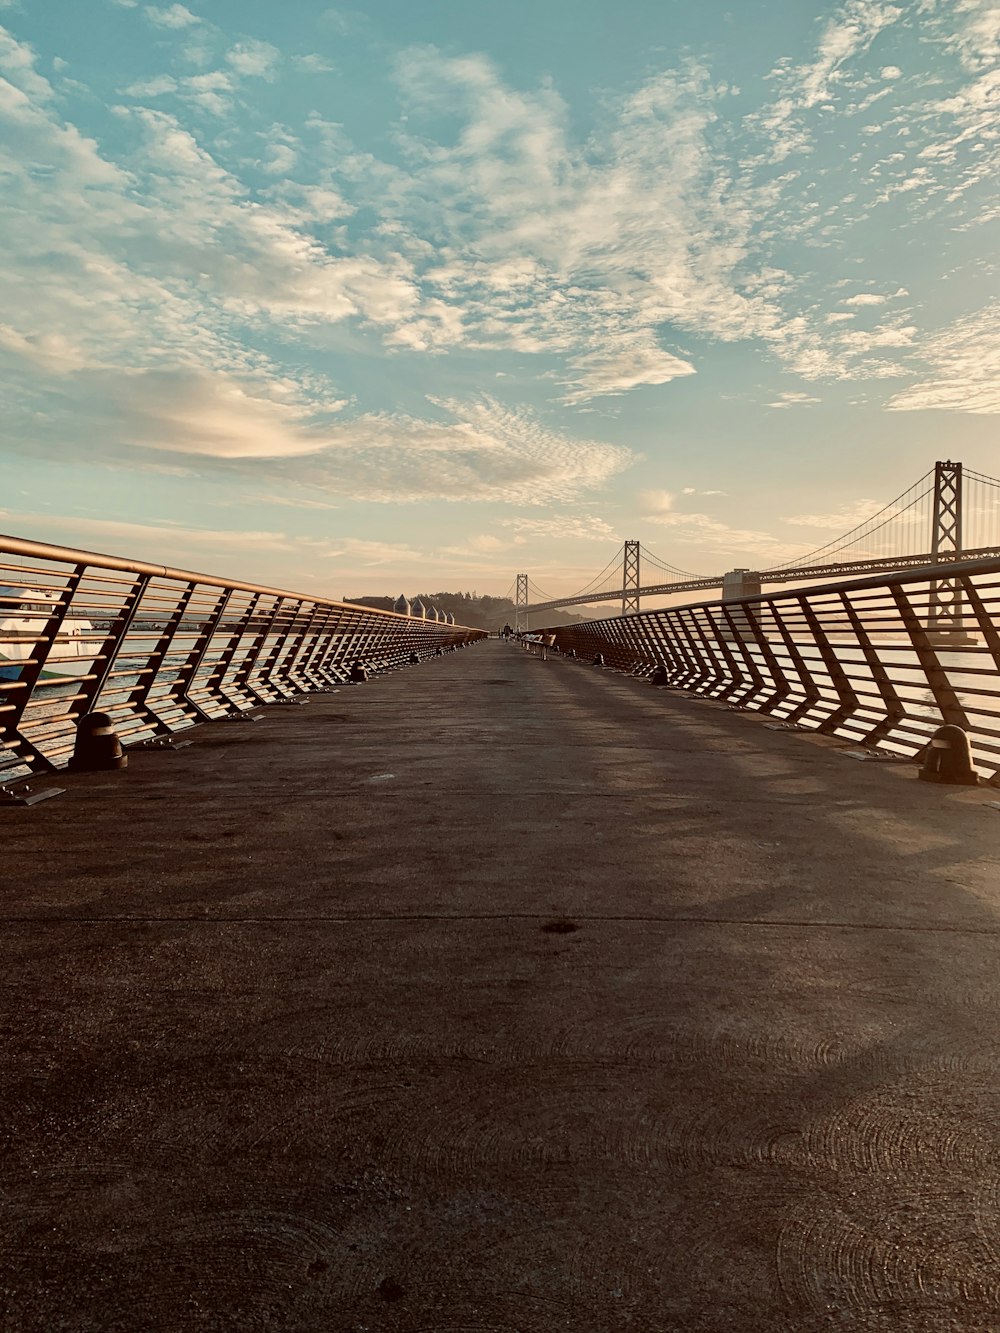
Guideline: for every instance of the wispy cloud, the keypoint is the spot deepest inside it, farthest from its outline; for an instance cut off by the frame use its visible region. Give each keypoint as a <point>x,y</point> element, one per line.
<point>564,527</point>
<point>839,520</point>
<point>790,398</point>
<point>171,16</point>
<point>253,58</point>
<point>965,368</point>
<point>802,87</point>
<point>873,298</point>
<point>726,543</point>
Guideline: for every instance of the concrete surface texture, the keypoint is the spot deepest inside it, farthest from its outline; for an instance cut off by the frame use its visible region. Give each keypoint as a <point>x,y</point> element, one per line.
<point>501,996</point>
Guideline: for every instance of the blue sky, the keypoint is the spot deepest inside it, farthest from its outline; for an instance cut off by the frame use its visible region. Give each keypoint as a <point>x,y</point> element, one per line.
<point>422,295</point>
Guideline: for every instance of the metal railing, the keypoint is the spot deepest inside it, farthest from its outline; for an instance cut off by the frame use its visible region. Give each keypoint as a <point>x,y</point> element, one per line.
<point>162,649</point>
<point>881,661</point>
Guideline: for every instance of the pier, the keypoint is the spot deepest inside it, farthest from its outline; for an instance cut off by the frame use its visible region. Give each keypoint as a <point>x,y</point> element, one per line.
<point>504,995</point>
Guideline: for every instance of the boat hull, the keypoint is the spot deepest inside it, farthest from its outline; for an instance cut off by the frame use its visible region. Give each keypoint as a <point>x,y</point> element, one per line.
<point>11,672</point>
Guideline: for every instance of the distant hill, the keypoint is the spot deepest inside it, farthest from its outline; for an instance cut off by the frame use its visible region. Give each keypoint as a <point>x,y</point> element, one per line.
<point>488,613</point>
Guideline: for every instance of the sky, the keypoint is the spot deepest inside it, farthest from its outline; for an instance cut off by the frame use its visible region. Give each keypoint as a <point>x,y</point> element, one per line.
<point>418,296</point>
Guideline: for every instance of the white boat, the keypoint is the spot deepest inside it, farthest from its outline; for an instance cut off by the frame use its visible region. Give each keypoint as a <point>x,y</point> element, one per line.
<point>24,613</point>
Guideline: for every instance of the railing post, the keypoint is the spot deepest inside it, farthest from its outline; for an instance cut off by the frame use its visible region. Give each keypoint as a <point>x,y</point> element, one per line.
<point>113,644</point>
<point>810,690</point>
<point>321,657</point>
<point>269,674</point>
<point>848,700</point>
<point>217,675</point>
<point>197,655</point>
<point>715,676</point>
<point>288,667</point>
<point>699,657</point>
<point>243,678</point>
<point>736,636</point>
<point>895,710</point>
<point>310,646</point>
<point>139,698</point>
<point>30,674</point>
<point>782,689</point>
<point>952,712</point>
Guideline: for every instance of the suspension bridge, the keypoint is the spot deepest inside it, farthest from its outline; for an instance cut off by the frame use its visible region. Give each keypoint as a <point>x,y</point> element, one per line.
<point>951,513</point>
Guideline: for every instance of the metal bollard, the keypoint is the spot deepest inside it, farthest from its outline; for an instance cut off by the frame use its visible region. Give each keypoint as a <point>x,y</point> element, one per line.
<point>598,659</point>
<point>661,677</point>
<point>438,652</point>
<point>97,745</point>
<point>414,659</point>
<point>358,673</point>
<point>948,758</point>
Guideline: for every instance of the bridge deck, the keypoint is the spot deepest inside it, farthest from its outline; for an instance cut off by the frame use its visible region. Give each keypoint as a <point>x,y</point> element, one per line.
<point>298,1034</point>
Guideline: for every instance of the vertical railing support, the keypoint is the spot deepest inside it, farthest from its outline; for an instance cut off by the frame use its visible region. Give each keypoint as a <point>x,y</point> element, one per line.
<point>104,660</point>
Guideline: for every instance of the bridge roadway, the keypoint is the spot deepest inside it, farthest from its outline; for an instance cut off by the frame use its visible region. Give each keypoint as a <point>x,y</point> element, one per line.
<point>501,995</point>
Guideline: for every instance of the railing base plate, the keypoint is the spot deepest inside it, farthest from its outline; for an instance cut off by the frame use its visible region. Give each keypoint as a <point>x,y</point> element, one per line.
<point>26,796</point>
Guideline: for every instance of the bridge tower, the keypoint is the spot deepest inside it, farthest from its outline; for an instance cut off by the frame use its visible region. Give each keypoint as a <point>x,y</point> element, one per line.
<point>630,578</point>
<point>521,603</point>
<point>945,609</point>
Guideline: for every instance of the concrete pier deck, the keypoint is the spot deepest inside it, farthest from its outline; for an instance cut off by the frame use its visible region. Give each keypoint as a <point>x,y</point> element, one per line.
<point>500,996</point>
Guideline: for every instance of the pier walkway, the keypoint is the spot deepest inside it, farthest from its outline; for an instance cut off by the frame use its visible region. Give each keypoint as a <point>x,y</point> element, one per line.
<point>500,996</point>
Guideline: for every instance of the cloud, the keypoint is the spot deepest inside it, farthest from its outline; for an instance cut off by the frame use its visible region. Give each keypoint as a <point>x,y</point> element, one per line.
<point>585,251</point>
<point>656,502</point>
<point>197,412</point>
<point>965,377</point>
<point>312,63</point>
<point>846,34</point>
<point>484,544</point>
<point>564,527</point>
<point>17,62</point>
<point>976,35</point>
<point>790,399</point>
<point>839,520</point>
<point>253,58</point>
<point>51,352</point>
<point>725,544</point>
<point>165,543</point>
<point>161,288</point>
<point>873,298</point>
<point>171,16</point>
<point>267,430</point>
<point>157,540</point>
<point>157,86</point>
<point>598,374</point>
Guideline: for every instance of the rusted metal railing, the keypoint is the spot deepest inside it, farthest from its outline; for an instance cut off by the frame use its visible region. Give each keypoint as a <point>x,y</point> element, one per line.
<point>161,649</point>
<point>880,661</point>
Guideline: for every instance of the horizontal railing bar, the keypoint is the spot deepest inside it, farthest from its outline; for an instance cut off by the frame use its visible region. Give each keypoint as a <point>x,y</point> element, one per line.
<point>93,559</point>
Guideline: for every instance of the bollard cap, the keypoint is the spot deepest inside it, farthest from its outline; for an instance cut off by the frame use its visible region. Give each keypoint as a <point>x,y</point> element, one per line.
<point>92,723</point>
